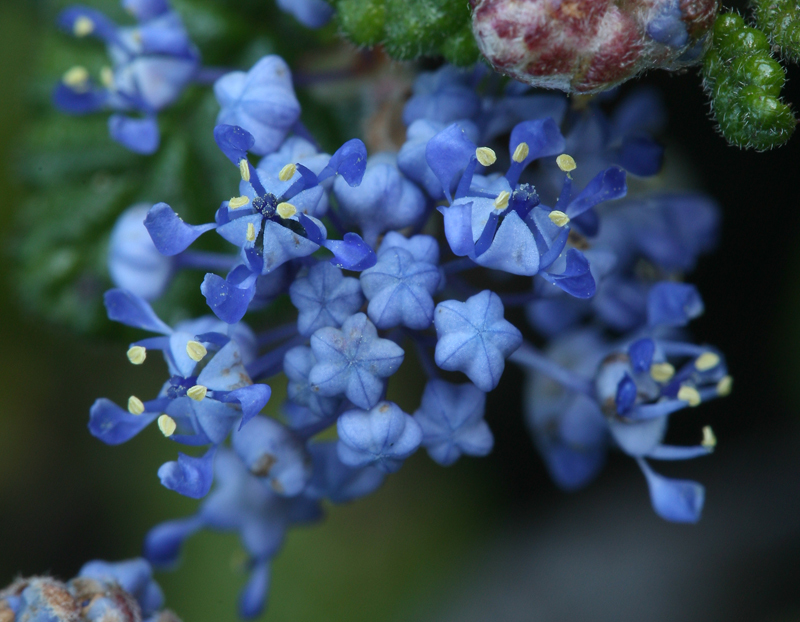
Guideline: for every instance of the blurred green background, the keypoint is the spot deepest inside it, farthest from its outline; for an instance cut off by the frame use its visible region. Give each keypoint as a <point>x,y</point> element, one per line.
<point>485,538</point>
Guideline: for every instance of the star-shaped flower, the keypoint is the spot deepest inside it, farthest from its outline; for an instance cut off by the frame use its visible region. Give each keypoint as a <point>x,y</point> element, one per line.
<point>473,337</point>
<point>353,361</point>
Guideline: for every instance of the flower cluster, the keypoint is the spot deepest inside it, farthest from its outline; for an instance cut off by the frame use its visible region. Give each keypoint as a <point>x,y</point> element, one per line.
<point>502,203</point>
<point>123,591</point>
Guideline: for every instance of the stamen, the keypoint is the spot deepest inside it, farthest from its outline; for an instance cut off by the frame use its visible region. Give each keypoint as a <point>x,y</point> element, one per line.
<point>77,79</point>
<point>237,202</point>
<point>83,26</point>
<point>689,394</point>
<point>521,152</point>
<point>287,172</point>
<point>197,392</point>
<point>724,386</point>
<point>559,218</point>
<point>167,425</point>
<point>135,405</point>
<point>244,169</point>
<point>485,156</point>
<point>251,232</point>
<point>501,202</point>
<point>566,163</point>
<point>286,210</point>
<point>196,350</point>
<point>137,355</point>
<point>107,77</point>
<point>709,440</point>
<point>706,361</point>
<point>661,372</point>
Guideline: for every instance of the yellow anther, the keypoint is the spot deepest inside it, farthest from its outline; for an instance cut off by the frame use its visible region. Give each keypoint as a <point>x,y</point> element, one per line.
<point>287,172</point>
<point>661,372</point>
<point>689,394</point>
<point>167,425</point>
<point>709,440</point>
<point>197,392</point>
<point>244,169</point>
<point>485,156</point>
<point>196,350</point>
<point>77,79</point>
<point>706,361</point>
<point>724,386</point>
<point>237,202</point>
<point>501,202</point>
<point>137,355</point>
<point>135,405</point>
<point>286,210</point>
<point>521,152</point>
<point>566,163</point>
<point>83,26</point>
<point>251,232</point>
<point>559,218</point>
<point>107,77</point>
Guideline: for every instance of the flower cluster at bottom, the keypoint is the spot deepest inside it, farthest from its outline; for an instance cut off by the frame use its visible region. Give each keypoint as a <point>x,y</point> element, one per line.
<point>415,238</point>
<point>122,591</point>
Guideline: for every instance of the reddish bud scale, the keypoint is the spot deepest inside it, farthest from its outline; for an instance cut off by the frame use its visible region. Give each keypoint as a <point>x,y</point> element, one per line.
<point>587,46</point>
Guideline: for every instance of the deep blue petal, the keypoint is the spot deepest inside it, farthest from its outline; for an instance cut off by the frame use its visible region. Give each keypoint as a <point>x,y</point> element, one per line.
<point>162,544</point>
<point>253,597</point>
<point>606,185</point>
<point>127,308</point>
<point>189,476</point>
<point>641,353</point>
<point>168,231</point>
<point>676,500</point>
<point>351,253</point>
<point>673,304</point>
<point>74,102</point>
<point>234,142</point>
<point>228,302</point>
<point>114,425</point>
<point>251,398</point>
<point>138,135</point>
<point>577,279</point>
<point>640,155</point>
<point>349,161</point>
<point>448,153</point>
<point>626,394</point>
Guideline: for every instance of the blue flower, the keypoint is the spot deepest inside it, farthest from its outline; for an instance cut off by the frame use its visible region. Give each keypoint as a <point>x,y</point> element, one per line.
<point>353,361</point>
<point>297,365</point>
<point>199,408</point>
<point>152,64</point>
<point>337,481</point>
<point>474,338</point>
<point>385,200</point>
<point>501,224</point>
<point>268,229</point>
<point>451,418</point>
<point>400,289</point>
<point>324,297</point>
<point>383,437</point>
<point>262,101</point>
<point>242,503</point>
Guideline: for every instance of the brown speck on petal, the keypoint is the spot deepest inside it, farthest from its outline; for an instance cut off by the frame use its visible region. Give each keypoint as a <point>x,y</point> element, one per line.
<point>263,465</point>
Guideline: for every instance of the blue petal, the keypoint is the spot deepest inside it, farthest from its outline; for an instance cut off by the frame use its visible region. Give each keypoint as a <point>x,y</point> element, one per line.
<point>458,228</point>
<point>138,135</point>
<point>543,139</point>
<point>253,597</point>
<point>626,394</point>
<point>577,279</point>
<point>71,101</point>
<point>448,153</point>
<point>351,253</point>
<point>234,142</point>
<point>640,155</point>
<point>605,186</point>
<point>673,304</point>
<point>251,399</point>
<point>145,10</point>
<point>349,161</point>
<point>127,308</point>
<point>641,353</point>
<point>168,231</point>
<point>189,476</point>
<point>114,425</point>
<point>676,500</point>
<point>228,302</point>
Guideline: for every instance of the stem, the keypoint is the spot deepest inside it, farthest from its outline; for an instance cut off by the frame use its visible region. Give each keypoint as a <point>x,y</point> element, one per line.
<point>209,75</point>
<point>458,265</point>
<point>205,260</point>
<point>528,356</point>
<point>279,333</point>
<point>272,362</point>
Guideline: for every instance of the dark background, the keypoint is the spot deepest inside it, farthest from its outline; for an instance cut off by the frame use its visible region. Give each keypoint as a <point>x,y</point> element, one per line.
<point>485,538</point>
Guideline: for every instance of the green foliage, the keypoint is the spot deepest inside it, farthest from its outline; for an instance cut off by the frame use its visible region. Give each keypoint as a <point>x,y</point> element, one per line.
<point>780,19</point>
<point>410,29</point>
<point>744,83</point>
